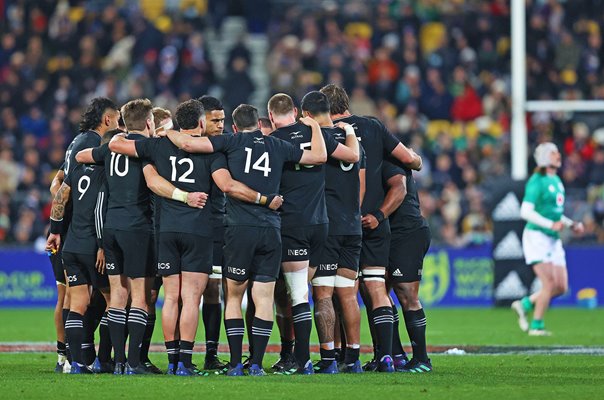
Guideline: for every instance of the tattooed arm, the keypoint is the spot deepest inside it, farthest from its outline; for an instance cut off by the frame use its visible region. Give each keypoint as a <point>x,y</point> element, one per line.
<point>56,217</point>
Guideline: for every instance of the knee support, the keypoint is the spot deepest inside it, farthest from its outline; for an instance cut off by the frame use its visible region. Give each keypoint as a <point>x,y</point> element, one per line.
<point>373,275</point>
<point>327,281</point>
<point>216,272</point>
<point>297,286</point>
<point>343,282</point>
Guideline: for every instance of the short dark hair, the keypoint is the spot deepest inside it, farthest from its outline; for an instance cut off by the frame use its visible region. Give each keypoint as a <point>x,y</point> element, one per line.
<point>245,116</point>
<point>136,113</point>
<point>265,122</point>
<point>315,103</point>
<point>339,102</point>
<point>210,103</point>
<point>189,113</point>
<point>109,135</point>
<point>281,104</point>
<point>93,116</point>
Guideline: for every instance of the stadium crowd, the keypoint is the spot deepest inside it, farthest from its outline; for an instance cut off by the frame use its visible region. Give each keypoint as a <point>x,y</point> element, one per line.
<point>436,73</point>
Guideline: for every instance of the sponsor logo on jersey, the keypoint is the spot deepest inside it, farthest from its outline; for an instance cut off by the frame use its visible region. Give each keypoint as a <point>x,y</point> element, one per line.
<point>510,248</point>
<point>72,278</point>
<point>163,265</point>
<point>295,135</point>
<point>559,199</point>
<point>297,252</point>
<point>258,140</point>
<point>236,270</point>
<point>110,266</point>
<point>552,188</point>
<point>508,209</point>
<point>328,267</point>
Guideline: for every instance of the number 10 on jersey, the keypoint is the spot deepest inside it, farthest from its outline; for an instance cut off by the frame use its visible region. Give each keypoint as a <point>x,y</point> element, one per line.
<point>261,164</point>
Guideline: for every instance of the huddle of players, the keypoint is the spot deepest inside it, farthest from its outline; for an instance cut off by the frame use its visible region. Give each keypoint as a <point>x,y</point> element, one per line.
<point>337,199</point>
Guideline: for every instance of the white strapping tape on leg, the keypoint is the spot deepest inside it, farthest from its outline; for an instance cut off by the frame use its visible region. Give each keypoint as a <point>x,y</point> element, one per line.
<point>376,275</point>
<point>297,286</point>
<point>216,272</point>
<point>327,281</point>
<point>343,282</point>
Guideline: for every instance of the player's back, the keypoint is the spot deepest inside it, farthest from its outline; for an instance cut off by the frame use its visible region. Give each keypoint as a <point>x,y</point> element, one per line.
<point>302,186</point>
<point>188,172</point>
<point>342,187</point>
<point>376,142</point>
<point>257,161</point>
<point>85,182</point>
<point>129,207</point>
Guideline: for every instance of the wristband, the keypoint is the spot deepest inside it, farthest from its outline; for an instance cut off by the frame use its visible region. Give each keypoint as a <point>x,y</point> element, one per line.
<point>258,197</point>
<point>269,199</point>
<point>56,226</point>
<point>349,130</point>
<point>379,215</point>
<point>179,195</point>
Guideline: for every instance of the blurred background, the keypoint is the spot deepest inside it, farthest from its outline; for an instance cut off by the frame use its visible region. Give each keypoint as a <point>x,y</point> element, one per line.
<point>437,73</point>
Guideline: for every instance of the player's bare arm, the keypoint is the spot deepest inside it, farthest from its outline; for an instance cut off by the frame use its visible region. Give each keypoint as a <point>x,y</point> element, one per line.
<point>318,152</point>
<point>349,151</point>
<point>407,156</point>
<point>85,156</point>
<point>241,191</point>
<point>56,183</point>
<point>397,190</point>
<point>56,217</point>
<point>119,144</point>
<point>163,188</point>
<point>188,143</point>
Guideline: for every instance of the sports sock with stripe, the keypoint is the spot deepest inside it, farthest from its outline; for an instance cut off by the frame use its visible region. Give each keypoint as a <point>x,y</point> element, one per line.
<point>104,354</point>
<point>74,331</point>
<point>211,314</point>
<point>173,351</point>
<point>302,328</point>
<point>186,353</point>
<point>147,338</point>
<point>235,331</point>
<point>383,320</point>
<point>137,324</point>
<point>261,332</point>
<point>116,318</point>
<point>397,346</point>
<point>416,328</point>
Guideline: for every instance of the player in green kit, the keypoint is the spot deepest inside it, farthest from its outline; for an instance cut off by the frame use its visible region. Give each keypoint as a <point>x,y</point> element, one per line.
<point>543,209</point>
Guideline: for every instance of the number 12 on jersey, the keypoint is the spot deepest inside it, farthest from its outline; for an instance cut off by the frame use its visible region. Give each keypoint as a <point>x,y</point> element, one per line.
<point>261,164</point>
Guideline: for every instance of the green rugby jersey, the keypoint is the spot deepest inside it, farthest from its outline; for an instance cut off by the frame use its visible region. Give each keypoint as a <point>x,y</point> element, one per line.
<point>546,192</point>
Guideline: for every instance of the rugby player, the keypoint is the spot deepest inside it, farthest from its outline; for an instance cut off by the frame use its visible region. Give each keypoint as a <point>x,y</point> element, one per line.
<point>338,262</point>
<point>185,255</point>
<point>83,256</point>
<point>376,142</point>
<point>543,209</point>
<point>128,238</point>
<point>101,116</point>
<point>252,239</point>
<point>409,244</point>
<point>212,308</point>
<point>304,222</point>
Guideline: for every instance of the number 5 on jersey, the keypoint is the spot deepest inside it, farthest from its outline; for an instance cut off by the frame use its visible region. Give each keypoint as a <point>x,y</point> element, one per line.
<point>261,164</point>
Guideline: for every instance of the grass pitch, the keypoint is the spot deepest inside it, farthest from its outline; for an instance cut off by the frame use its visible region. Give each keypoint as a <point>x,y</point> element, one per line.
<point>505,376</point>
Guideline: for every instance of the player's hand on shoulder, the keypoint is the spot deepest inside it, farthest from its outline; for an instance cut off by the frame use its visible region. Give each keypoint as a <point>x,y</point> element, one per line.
<point>341,125</point>
<point>100,261</point>
<point>276,201</point>
<point>369,221</point>
<point>308,121</point>
<point>164,132</point>
<point>197,199</point>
